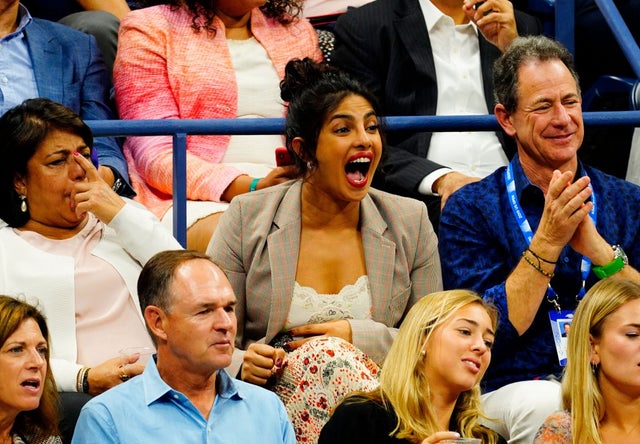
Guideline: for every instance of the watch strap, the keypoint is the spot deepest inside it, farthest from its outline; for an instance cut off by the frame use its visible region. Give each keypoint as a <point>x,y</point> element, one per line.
<point>613,267</point>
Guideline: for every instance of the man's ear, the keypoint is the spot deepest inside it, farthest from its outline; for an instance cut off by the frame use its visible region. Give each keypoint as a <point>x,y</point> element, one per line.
<point>156,320</point>
<point>504,119</point>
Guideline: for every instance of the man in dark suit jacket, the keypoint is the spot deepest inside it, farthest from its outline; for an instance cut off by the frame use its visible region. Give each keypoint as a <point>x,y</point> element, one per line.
<point>67,67</point>
<point>387,45</point>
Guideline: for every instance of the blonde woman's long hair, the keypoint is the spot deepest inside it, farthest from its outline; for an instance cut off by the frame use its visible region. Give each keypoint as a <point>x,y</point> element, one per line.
<point>403,384</point>
<point>581,393</point>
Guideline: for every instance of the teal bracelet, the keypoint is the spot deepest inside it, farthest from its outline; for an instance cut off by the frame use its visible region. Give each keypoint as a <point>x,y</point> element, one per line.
<point>254,184</point>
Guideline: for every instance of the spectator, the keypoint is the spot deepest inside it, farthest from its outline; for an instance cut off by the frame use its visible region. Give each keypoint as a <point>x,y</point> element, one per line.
<point>100,18</point>
<point>44,59</point>
<point>324,255</point>
<point>27,389</point>
<point>397,47</point>
<point>72,242</point>
<point>533,236</point>
<point>600,385</point>
<point>430,387</point>
<point>184,394</point>
<point>198,59</point>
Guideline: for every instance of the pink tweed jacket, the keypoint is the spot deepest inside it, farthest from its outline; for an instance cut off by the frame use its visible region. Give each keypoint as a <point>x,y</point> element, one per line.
<point>165,70</point>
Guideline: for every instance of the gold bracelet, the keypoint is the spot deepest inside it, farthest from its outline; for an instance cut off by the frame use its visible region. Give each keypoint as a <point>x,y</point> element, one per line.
<point>536,266</point>
<point>80,379</point>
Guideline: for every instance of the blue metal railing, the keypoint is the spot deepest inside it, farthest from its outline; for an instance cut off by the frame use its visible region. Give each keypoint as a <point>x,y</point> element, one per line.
<point>564,11</point>
<point>179,129</point>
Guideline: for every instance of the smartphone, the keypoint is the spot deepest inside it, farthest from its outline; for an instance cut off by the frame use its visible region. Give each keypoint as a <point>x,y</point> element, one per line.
<point>283,158</point>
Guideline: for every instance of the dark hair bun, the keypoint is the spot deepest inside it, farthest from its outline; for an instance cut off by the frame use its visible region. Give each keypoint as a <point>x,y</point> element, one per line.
<point>300,74</point>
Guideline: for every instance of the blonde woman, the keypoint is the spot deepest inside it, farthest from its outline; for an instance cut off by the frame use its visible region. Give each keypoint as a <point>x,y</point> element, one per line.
<point>601,383</point>
<point>429,385</point>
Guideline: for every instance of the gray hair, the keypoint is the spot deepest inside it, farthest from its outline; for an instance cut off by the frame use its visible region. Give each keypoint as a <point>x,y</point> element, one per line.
<point>519,52</point>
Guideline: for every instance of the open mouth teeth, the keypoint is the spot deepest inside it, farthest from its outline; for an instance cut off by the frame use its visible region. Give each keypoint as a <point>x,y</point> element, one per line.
<point>358,169</point>
<point>34,384</point>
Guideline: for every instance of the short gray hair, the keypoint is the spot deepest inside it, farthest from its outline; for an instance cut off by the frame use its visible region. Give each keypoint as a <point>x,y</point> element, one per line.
<point>521,50</point>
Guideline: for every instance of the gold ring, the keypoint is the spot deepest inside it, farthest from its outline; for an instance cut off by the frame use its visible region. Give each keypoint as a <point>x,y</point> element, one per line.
<point>124,377</point>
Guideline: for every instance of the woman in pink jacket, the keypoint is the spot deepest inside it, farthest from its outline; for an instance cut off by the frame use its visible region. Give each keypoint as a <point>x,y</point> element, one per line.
<point>197,59</point>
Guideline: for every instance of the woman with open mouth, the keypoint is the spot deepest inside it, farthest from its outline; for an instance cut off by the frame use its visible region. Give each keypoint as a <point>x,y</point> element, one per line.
<point>28,394</point>
<point>324,267</point>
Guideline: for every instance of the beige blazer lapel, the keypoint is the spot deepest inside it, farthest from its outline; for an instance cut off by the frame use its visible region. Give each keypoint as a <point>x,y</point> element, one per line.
<point>379,253</point>
<point>284,245</point>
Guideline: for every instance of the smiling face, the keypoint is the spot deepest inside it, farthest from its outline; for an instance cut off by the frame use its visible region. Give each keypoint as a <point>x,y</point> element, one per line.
<point>617,351</point>
<point>48,185</point>
<point>348,150</point>
<point>23,368</point>
<point>199,327</point>
<point>458,351</point>
<point>547,123</point>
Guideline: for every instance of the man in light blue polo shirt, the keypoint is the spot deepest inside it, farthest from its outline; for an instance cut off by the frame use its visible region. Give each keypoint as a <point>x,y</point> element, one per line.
<point>185,395</point>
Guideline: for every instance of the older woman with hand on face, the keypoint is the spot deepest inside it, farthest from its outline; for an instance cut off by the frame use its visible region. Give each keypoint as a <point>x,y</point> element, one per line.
<point>601,383</point>
<point>28,409</point>
<point>429,387</point>
<point>74,244</point>
<point>324,255</point>
<point>205,59</point>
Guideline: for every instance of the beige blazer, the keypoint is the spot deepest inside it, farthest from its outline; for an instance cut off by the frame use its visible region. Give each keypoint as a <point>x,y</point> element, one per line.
<point>257,242</point>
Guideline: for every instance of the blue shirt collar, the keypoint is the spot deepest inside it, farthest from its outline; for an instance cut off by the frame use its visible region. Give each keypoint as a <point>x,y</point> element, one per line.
<point>156,388</point>
<point>24,18</point>
<point>522,181</point>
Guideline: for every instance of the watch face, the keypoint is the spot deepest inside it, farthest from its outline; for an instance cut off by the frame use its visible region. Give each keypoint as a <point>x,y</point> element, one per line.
<point>619,253</point>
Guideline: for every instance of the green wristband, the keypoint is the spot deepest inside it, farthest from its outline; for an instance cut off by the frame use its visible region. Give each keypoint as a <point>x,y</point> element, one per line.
<point>617,264</point>
<point>254,184</point>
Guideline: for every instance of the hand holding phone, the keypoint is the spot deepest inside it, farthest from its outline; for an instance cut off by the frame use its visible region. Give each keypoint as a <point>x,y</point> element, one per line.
<point>283,158</point>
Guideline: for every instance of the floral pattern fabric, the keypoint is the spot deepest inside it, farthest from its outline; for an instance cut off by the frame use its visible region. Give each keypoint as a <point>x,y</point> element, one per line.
<point>318,375</point>
<point>556,429</point>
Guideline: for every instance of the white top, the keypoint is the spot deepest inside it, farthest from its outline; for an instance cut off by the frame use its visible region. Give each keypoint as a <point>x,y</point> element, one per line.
<point>258,96</point>
<point>107,319</point>
<point>456,56</point>
<point>128,242</point>
<point>310,307</point>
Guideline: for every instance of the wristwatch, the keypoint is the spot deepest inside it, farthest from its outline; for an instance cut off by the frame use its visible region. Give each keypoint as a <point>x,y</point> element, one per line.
<point>619,261</point>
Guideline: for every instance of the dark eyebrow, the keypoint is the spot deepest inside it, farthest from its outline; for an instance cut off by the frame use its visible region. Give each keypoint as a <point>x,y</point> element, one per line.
<point>351,117</point>
<point>474,323</point>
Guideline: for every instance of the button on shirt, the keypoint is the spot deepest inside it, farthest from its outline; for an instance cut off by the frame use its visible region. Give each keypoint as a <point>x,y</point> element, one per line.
<point>456,57</point>
<point>480,244</point>
<point>147,410</point>
<point>17,81</point>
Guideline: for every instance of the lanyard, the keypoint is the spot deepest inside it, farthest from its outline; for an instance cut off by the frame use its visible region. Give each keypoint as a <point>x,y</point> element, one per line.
<point>523,223</point>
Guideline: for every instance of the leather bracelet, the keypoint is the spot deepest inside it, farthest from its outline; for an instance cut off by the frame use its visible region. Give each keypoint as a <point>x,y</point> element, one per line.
<point>540,258</point>
<point>536,266</point>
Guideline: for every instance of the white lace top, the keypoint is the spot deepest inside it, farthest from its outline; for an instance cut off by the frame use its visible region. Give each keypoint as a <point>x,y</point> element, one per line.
<point>310,307</point>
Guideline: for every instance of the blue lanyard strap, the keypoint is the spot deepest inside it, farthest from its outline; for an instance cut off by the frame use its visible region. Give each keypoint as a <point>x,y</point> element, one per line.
<point>525,228</point>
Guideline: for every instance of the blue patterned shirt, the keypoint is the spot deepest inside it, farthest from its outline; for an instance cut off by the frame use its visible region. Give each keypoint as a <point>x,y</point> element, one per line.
<point>480,244</point>
<point>147,410</point>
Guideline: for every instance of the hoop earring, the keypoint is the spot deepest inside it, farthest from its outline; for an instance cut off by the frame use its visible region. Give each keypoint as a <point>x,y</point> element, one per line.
<point>310,165</point>
<point>23,203</point>
<point>594,369</point>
